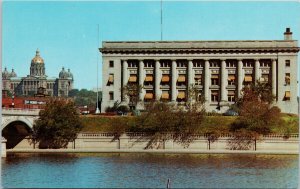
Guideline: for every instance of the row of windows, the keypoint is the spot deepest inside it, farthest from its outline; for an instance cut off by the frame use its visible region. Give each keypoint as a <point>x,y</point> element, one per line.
<point>215,79</point>
<point>215,96</point>
<point>200,63</point>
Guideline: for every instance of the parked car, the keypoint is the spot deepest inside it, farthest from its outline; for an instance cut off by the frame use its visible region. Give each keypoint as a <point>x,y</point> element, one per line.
<point>231,113</point>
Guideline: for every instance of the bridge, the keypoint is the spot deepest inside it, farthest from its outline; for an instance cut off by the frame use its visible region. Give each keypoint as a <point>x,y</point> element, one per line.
<point>16,124</point>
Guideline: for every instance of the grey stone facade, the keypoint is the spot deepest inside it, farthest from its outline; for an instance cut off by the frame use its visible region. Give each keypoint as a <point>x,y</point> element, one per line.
<point>29,85</point>
<point>219,69</point>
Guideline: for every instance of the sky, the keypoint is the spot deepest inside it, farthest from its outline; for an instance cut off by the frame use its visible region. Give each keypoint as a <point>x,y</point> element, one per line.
<point>66,32</point>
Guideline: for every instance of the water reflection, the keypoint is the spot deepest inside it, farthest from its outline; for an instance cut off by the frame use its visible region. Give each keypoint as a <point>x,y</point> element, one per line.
<point>150,170</point>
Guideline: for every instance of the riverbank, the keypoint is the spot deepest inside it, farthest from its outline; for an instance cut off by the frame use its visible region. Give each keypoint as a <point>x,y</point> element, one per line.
<point>159,151</point>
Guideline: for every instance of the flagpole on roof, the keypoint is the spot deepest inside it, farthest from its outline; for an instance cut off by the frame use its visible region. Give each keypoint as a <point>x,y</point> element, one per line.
<point>161,21</point>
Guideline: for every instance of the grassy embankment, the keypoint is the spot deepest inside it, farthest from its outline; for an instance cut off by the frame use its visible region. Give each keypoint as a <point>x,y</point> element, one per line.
<point>220,123</point>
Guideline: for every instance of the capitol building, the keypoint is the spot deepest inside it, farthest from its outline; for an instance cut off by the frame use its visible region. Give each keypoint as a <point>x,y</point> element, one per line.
<point>38,81</point>
<point>218,69</point>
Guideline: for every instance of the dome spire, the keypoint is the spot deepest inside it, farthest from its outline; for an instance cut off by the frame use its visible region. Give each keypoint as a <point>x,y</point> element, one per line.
<point>37,52</point>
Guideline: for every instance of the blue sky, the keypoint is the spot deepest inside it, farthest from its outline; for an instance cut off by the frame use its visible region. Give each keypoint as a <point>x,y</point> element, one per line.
<point>66,32</point>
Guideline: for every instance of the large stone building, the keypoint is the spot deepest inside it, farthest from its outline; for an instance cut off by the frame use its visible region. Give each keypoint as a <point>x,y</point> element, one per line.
<point>219,69</point>
<point>37,80</point>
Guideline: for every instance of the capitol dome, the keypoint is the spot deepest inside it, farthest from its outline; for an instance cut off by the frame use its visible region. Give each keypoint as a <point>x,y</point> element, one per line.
<point>37,59</point>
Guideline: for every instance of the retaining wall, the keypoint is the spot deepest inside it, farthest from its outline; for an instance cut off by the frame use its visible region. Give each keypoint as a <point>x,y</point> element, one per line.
<point>138,141</point>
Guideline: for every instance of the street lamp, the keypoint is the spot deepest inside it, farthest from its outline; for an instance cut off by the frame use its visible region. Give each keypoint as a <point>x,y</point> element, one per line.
<point>13,100</point>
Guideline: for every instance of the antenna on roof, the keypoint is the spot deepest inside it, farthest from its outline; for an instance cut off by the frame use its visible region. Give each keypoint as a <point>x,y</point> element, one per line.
<point>161,21</point>
<point>97,88</point>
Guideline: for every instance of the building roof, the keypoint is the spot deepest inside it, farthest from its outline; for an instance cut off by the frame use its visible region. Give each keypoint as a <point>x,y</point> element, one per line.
<point>199,46</point>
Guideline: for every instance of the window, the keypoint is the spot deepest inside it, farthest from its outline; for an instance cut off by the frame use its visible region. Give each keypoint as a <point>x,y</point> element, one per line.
<point>198,79</point>
<point>214,79</point>
<point>248,63</point>
<point>149,64</point>
<point>165,80</point>
<point>148,96</point>
<point>181,80</point>
<point>181,96</point>
<point>165,95</point>
<point>264,78</point>
<point>111,95</point>
<point>111,63</point>
<point>181,64</point>
<point>265,63</point>
<point>165,63</point>
<point>214,63</point>
<point>287,96</point>
<point>287,63</point>
<point>287,78</point>
<point>214,96</point>
<point>248,79</point>
<point>231,96</point>
<point>231,63</point>
<point>110,79</point>
<point>148,79</point>
<point>231,79</point>
<point>132,64</point>
<point>132,78</point>
<point>198,63</point>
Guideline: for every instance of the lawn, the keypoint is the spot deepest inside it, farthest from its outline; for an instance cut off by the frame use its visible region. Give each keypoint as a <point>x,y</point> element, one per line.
<point>212,123</point>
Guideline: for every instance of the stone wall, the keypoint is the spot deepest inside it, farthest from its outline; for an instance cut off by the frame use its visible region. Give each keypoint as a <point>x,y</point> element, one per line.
<point>106,141</point>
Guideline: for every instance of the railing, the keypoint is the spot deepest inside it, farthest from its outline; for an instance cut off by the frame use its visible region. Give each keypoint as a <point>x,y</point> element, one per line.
<point>20,111</point>
<point>142,134</point>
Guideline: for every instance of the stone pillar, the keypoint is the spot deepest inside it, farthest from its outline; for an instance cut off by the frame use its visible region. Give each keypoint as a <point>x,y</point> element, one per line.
<point>3,147</point>
<point>240,77</point>
<point>141,77</point>
<point>190,72</point>
<point>257,74</point>
<point>124,77</point>
<point>174,78</point>
<point>206,81</point>
<point>157,80</point>
<point>223,81</point>
<point>274,77</point>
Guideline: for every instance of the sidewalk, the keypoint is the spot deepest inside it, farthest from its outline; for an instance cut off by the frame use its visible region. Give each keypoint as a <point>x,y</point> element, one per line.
<point>160,151</point>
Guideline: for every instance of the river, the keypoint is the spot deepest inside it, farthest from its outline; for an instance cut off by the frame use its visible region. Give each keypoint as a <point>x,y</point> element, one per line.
<point>143,170</point>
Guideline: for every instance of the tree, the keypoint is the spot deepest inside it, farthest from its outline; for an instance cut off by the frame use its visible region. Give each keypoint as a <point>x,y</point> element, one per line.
<point>57,125</point>
<point>195,98</point>
<point>257,115</point>
<point>84,97</point>
<point>132,91</point>
<point>163,122</point>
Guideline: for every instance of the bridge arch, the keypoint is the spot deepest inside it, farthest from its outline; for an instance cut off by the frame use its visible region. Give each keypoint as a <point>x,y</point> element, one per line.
<point>15,130</point>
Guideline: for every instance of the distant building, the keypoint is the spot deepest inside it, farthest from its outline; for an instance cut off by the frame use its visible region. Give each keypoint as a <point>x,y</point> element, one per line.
<point>38,80</point>
<point>219,69</point>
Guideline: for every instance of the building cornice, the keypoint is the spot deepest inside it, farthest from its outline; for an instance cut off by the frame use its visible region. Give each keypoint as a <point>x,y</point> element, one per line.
<point>198,50</point>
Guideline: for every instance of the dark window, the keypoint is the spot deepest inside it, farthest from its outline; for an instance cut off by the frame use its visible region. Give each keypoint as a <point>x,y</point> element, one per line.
<point>111,95</point>
<point>214,96</point>
<point>111,63</point>
<point>287,63</point>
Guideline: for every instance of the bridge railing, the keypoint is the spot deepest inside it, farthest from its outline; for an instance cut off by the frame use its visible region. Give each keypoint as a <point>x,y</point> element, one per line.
<point>20,111</point>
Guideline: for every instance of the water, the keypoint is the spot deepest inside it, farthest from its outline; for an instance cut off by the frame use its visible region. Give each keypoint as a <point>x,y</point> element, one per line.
<point>149,171</point>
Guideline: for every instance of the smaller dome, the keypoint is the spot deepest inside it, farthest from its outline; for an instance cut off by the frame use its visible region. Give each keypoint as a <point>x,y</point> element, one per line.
<point>63,74</point>
<point>13,73</point>
<point>5,73</point>
<point>70,75</point>
<point>37,59</point>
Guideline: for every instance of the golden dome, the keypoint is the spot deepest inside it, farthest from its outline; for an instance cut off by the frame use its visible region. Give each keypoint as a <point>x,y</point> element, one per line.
<point>37,59</point>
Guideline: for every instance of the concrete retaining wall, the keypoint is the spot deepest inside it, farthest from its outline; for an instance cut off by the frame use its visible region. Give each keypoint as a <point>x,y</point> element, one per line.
<point>106,141</point>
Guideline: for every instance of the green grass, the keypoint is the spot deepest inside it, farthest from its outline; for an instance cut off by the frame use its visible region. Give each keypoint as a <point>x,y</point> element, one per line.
<point>212,123</point>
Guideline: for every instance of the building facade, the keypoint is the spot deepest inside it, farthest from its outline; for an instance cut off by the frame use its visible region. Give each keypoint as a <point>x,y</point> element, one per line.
<point>219,69</point>
<point>37,80</point>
